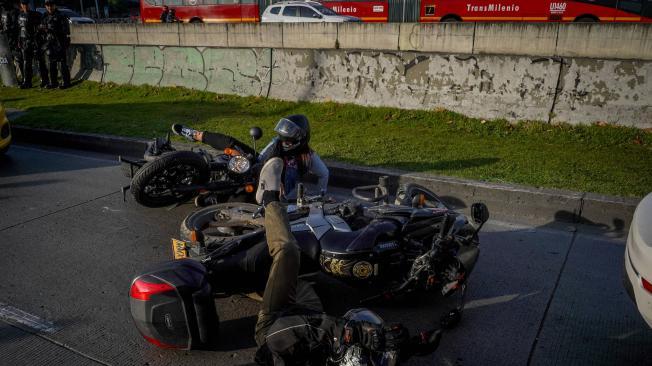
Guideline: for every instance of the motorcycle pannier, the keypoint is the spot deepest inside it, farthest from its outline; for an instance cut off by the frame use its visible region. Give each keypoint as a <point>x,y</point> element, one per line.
<point>173,307</point>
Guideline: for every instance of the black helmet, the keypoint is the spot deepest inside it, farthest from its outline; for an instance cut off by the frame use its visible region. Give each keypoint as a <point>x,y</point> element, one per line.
<point>294,132</point>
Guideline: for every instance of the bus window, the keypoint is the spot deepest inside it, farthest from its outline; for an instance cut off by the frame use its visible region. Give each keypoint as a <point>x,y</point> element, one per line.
<point>631,6</point>
<point>291,11</point>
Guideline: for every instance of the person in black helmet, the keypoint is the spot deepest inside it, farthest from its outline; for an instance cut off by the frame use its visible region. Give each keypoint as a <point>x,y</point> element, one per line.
<point>291,145</point>
<point>292,328</point>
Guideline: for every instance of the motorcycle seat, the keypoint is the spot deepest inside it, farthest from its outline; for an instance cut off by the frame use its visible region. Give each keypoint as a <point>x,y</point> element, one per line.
<point>360,240</point>
<point>308,244</point>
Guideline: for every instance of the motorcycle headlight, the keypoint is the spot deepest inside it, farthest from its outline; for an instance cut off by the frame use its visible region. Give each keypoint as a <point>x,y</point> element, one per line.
<point>239,164</point>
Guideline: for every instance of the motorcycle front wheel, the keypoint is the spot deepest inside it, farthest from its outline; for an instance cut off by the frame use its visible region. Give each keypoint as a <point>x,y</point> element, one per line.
<point>222,223</point>
<point>160,182</point>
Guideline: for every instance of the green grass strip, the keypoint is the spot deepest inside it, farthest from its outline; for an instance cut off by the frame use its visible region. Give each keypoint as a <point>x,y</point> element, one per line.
<point>602,159</point>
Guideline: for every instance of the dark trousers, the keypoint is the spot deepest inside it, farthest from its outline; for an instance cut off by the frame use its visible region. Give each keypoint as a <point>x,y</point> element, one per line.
<point>28,51</point>
<point>59,59</point>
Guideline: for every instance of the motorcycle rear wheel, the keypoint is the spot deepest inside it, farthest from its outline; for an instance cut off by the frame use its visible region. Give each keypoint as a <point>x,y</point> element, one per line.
<point>154,184</point>
<point>222,223</point>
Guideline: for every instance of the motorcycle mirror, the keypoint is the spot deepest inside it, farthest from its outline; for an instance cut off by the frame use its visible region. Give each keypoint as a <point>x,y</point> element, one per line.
<point>256,133</point>
<point>479,213</point>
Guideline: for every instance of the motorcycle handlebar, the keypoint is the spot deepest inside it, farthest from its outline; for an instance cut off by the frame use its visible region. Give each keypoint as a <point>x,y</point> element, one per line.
<point>380,193</point>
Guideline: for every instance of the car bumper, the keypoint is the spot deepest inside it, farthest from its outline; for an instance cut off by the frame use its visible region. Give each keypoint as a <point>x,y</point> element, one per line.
<point>641,298</point>
<point>5,135</point>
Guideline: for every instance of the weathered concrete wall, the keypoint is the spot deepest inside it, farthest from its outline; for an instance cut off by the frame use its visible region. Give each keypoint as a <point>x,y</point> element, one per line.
<point>484,86</point>
<point>601,41</point>
<point>471,69</point>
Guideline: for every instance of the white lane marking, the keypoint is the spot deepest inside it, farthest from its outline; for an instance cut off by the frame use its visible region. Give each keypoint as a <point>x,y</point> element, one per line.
<point>107,208</point>
<point>12,314</point>
<point>65,154</point>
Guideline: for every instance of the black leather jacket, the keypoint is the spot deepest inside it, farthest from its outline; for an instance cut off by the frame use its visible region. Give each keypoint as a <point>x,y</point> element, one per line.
<point>57,30</point>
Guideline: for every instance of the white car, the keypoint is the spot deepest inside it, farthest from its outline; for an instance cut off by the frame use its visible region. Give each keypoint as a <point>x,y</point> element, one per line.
<point>303,11</point>
<point>638,259</point>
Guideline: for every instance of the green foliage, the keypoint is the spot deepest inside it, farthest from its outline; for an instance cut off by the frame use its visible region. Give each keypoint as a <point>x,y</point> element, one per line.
<point>601,159</point>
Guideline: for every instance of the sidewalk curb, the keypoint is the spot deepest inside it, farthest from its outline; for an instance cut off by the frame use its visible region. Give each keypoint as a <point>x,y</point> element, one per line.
<point>513,203</point>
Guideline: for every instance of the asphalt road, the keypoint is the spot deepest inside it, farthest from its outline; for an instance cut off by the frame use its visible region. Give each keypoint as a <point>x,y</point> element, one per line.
<point>539,295</point>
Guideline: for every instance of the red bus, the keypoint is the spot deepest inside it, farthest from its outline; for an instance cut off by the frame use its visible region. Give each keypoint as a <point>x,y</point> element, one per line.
<point>536,11</point>
<point>367,11</point>
<point>236,11</point>
<point>202,11</point>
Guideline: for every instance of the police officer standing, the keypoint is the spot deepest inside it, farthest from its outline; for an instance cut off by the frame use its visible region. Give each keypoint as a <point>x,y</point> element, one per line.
<point>9,27</point>
<point>56,29</point>
<point>28,25</point>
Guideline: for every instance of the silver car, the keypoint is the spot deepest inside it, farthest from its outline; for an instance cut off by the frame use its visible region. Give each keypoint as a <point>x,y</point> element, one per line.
<point>303,11</point>
<point>638,259</point>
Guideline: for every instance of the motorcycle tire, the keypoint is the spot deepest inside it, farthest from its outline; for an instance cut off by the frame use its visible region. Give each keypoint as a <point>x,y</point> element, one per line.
<point>175,168</point>
<point>216,222</point>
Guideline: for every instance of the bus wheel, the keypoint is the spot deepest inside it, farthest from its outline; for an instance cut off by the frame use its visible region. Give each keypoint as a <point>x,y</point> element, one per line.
<point>195,20</point>
<point>586,19</point>
<point>450,19</point>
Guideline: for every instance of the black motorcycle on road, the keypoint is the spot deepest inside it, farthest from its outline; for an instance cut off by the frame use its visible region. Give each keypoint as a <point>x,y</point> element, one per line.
<point>416,244</point>
<point>166,176</point>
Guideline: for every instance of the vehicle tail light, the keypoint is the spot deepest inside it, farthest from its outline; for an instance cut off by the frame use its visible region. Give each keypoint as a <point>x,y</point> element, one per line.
<point>249,188</point>
<point>143,290</point>
<point>646,285</point>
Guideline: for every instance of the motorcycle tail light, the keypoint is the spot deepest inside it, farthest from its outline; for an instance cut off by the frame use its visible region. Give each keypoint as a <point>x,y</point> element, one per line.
<point>249,188</point>
<point>646,285</point>
<point>143,290</point>
<point>160,344</point>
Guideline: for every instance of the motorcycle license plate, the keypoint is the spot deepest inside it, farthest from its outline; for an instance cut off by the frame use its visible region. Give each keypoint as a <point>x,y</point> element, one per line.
<point>179,249</point>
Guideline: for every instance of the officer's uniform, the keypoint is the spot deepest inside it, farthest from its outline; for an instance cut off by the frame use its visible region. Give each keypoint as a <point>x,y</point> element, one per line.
<point>57,38</point>
<point>9,27</point>
<point>28,23</point>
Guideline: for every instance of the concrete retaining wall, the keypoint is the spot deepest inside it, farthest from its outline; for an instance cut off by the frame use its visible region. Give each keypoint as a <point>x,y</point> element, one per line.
<point>512,71</point>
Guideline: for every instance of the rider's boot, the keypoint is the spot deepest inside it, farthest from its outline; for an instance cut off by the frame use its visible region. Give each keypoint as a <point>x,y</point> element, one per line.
<point>269,181</point>
<point>184,131</point>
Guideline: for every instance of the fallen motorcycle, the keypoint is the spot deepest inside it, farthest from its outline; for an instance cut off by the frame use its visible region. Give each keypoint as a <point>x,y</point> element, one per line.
<point>415,244</point>
<point>166,176</point>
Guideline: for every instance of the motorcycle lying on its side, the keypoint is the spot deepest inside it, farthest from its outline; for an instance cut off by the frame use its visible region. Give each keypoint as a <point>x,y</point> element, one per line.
<point>166,176</point>
<point>415,244</point>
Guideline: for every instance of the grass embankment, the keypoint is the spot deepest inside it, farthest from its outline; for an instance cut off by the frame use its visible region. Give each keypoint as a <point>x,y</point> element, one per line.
<point>602,159</point>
